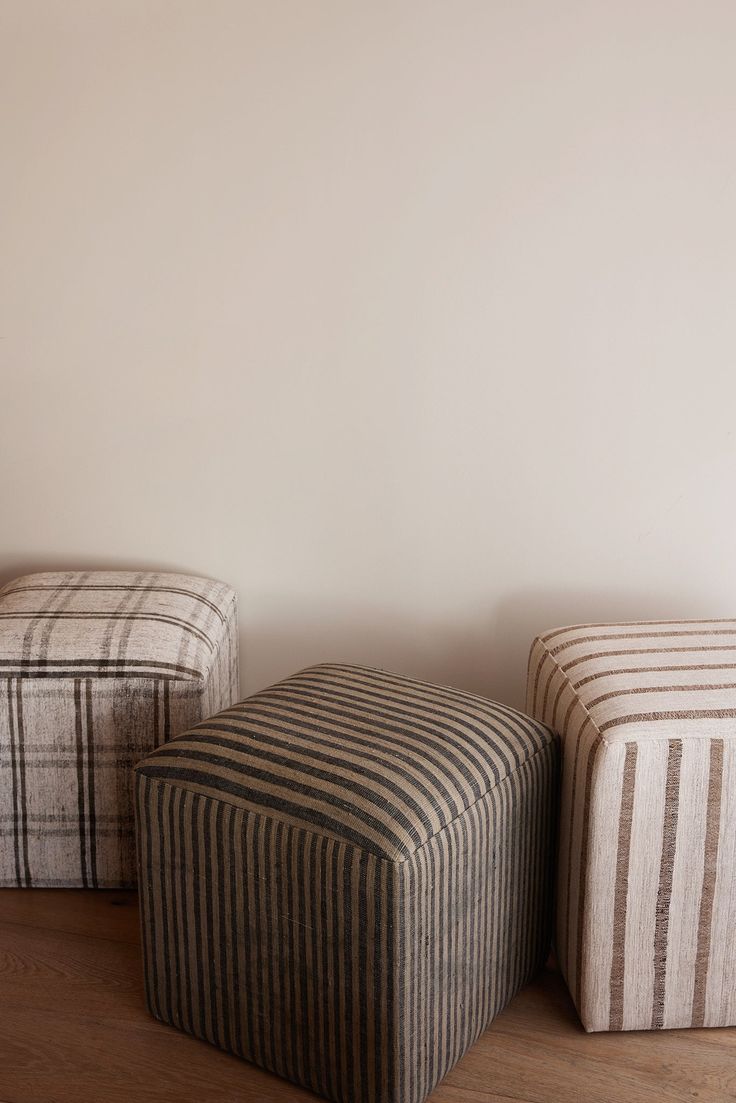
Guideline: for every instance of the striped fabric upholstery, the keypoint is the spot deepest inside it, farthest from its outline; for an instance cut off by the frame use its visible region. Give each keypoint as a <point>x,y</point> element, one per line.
<point>96,669</point>
<point>345,877</point>
<point>647,872</point>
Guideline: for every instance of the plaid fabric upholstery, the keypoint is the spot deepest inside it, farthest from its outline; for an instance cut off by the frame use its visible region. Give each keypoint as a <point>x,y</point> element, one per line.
<point>96,668</point>
<point>647,882</point>
<point>345,877</point>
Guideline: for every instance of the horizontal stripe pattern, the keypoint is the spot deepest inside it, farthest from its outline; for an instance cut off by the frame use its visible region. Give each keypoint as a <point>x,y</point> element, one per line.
<point>97,669</point>
<point>357,967</point>
<point>647,716</point>
<point>375,759</point>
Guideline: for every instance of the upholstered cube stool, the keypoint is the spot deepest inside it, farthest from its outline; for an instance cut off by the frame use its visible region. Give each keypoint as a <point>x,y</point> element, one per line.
<point>346,876</point>
<point>97,668</point>
<point>646,922</point>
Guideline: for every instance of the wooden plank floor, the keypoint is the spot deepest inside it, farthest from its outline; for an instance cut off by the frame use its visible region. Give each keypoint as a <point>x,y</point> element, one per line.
<point>73,1029</point>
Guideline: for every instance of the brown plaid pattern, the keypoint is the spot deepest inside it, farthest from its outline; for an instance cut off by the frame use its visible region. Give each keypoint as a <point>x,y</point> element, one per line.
<point>345,877</point>
<point>96,668</point>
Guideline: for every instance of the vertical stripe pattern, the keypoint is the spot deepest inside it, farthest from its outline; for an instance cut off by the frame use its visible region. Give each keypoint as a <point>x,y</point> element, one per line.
<point>98,668</point>
<point>710,867</point>
<point>359,945</point>
<point>646,713</point>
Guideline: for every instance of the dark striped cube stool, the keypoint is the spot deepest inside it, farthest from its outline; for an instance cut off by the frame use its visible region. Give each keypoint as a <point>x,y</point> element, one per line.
<point>97,668</point>
<point>345,877</point>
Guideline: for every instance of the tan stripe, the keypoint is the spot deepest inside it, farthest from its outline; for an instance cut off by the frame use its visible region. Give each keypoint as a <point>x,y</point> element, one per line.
<point>583,861</point>
<point>330,927</point>
<point>343,937</point>
<point>553,669</point>
<point>417,710</point>
<point>631,624</point>
<point>409,895</point>
<point>241,923</point>
<point>489,911</point>
<point>427,998</point>
<point>640,636</point>
<point>710,865</point>
<point>319,1081</point>
<point>191,940</point>
<point>308,920</point>
<point>157,844</point>
<point>673,714</point>
<point>266,789</point>
<point>299,757</point>
<point>666,868</point>
<point>537,672</point>
<point>147,918</point>
<point>618,964</point>
<point>384,871</point>
<point>177,903</point>
<point>217,949</point>
<point>411,691</point>
<point>204,949</point>
<point>285,927</point>
<point>659,689</point>
<point>564,684</point>
<point>167,890</point>
<point>232,933</point>
<point>644,651</point>
<point>571,828</point>
<point>249,865</point>
<point>615,672</point>
<point>687,877</point>
<point>573,702</point>
<point>372,1011</point>
<point>358,981</point>
<point>441,947</point>
<point>338,733</point>
<point>267,997</point>
<point>297,919</point>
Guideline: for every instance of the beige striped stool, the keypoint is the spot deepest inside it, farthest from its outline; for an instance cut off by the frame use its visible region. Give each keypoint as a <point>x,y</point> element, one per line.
<point>97,668</point>
<point>646,920</point>
<point>345,877</point>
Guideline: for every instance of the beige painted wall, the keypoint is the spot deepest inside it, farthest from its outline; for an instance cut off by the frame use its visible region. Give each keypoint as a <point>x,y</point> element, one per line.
<point>415,321</point>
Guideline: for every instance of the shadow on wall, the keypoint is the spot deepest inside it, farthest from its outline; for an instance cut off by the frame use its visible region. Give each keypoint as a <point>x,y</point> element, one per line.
<point>11,568</point>
<point>485,654</point>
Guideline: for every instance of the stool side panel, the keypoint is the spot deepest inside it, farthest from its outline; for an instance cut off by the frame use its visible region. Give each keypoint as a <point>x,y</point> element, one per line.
<point>551,699</point>
<point>270,941</point>
<point>221,686</point>
<point>659,912</point>
<point>477,915</point>
<point>646,906</point>
<point>67,752</point>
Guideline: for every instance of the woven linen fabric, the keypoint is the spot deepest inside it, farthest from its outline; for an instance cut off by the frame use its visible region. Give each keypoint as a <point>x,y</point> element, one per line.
<point>96,668</point>
<point>346,876</point>
<point>647,884</point>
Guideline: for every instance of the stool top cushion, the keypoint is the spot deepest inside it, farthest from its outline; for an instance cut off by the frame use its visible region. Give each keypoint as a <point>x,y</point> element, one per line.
<point>359,755</point>
<point>112,623</point>
<point>640,679</point>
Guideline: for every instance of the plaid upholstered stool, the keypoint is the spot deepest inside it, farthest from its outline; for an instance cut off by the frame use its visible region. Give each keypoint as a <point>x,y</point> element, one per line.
<point>98,668</point>
<point>647,873</point>
<point>345,877</point>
